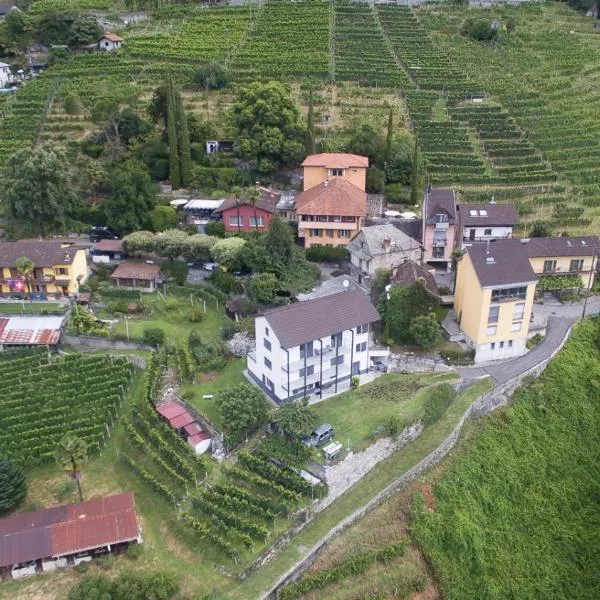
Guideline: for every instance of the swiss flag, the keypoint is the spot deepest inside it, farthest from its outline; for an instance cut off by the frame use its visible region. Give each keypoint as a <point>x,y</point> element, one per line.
<point>19,285</point>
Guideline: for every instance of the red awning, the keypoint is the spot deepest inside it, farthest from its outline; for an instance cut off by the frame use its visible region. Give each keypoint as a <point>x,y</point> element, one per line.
<point>181,420</point>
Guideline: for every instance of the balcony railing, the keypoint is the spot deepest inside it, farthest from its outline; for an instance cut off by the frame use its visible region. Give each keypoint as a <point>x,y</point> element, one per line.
<point>328,352</point>
<point>439,226</point>
<point>439,243</point>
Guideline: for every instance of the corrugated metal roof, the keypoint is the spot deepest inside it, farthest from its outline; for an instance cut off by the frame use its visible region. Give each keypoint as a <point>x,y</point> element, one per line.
<point>170,410</point>
<point>30,331</point>
<point>68,529</point>
<point>181,420</point>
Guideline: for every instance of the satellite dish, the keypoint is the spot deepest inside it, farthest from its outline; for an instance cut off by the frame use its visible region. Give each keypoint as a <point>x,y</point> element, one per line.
<point>346,284</point>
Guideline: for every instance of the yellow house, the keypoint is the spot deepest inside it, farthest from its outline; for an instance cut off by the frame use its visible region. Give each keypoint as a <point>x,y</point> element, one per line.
<point>58,269</point>
<point>495,288</point>
<point>350,167</point>
<point>568,257</point>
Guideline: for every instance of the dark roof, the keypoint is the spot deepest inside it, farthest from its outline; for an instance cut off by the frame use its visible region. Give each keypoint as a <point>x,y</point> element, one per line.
<point>109,246</point>
<point>303,322</point>
<point>136,270</point>
<point>409,272</point>
<point>441,200</point>
<point>336,197</point>
<point>42,254</point>
<point>411,227</point>
<point>488,214</point>
<point>505,263</point>
<point>560,246</point>
<point>67,529</point>
<point>379,240</point>
<point>268,202</point>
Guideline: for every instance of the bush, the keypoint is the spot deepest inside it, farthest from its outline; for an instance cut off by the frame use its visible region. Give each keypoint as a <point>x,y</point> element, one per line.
<point>480,30</point>
<point>325,254</point>
<point>177,271</point>
<point>425,330</point>
<point>458,357</point>
<point>154,336</point>
<point>226,282</point>
<point>443,290</point>
<point>534,340</point>
<point>134,551</point>
<point>12,485</point>
<point>195,314</point>
<point>440,399</point>
<point>394,426</point>
<point>127,586</point>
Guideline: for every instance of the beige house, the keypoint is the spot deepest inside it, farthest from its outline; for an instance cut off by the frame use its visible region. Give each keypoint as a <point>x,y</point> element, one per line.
<point>380,247</point>
<point>495,289</point>
<point>350,167</point>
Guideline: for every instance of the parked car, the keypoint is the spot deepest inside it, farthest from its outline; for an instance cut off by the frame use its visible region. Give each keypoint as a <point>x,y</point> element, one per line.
<point>210,266</point>
<point>319,436</point>
<point>98,233</point>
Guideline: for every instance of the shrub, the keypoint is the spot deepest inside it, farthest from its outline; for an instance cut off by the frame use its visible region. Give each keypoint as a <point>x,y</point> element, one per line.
<point>325,254</point>
<point>177,271</point>
<point>154,336</point>
<point>134,551</point>
<point>443,290</point>
<point>195,314</point>
<point>480,30</point>
<point>394,426</point>
<point>226,282</point>
<point>12,485</point>
<point>425,330</point>
<point>354,383</point>
<point>440,399</point>
<point>534,340</point>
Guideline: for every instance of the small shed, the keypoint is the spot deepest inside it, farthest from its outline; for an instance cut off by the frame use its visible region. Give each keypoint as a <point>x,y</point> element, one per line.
<point>107,251</point>
<point>130,275</point>
<point>109,42</point>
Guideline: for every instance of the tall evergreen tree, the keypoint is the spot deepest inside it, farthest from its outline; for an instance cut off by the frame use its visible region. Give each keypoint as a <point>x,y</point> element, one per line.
<point>12,485</point>
<point>310,127</point>
<point>183,141</point>
<point>174,166</point>
<point>390,136</point>
<point>414,176</point>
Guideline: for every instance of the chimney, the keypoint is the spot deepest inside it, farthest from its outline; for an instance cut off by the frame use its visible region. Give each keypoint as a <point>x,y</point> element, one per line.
<point>326,183</point>
<point>387,244</point>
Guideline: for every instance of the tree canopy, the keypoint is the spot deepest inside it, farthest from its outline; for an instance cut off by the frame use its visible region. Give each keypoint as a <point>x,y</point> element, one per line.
<point>228,252</point>
<point>163,217</point>
<point>296,419</point>
<point>12,485</point>
<point>36,189</point>
<point>268,129</point>
<point>243,409</point>
<point>71,455</point>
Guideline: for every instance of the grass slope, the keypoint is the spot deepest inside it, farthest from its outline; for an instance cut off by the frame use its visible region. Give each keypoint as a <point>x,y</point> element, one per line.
<point>518,517</point>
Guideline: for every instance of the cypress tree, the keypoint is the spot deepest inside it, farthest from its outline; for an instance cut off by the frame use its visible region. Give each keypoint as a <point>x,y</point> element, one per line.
<point>174,172</point>
<point>414,176</point>
<point>183,142</point>
<point>310,128</point>
<point>390,135</point>
<point>12,485</point>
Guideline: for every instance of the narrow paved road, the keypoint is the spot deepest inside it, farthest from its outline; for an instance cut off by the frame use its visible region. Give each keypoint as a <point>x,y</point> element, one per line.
<point>501,372</point>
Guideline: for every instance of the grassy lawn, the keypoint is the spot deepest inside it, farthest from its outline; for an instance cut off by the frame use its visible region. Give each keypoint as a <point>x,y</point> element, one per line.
<point>211,383</point>
<point>30,308</point>
<point>362,414</point>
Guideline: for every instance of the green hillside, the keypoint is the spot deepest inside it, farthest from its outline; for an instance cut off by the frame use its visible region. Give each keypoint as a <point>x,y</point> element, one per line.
<point>531,135</point>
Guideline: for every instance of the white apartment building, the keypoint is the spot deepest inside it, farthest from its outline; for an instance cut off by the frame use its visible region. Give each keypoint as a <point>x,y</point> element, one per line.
<point>311,346</point>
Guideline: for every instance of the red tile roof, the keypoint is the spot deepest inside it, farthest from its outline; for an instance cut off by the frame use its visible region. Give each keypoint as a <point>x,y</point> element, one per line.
<point>268,201</point>
<point>336,197</point>
<point>109,246</point>
<point>112,37</point>
<point>136,270</point>
<point>68,529</point>
<point>336,160</point>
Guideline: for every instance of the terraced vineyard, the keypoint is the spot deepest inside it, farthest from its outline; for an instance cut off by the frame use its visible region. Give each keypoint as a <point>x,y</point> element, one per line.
<point>48,397</point>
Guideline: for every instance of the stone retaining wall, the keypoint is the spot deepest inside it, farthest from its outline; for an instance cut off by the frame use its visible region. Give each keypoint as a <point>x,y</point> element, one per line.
<point>415,363</point>
<point>104,343</point>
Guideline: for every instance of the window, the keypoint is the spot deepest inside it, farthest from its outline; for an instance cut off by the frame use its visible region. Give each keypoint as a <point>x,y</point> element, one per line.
<point>268,382</point>
<point>576,264</point>
<point>316,232</point>
<point>493,346</point>
<point>267,363</point>
<point>519,312</point>
<point>361,347</point>
<point>330,233</point>
<point>322,218</point>
<point>493,314</point>
<point>337,360</point>
<point>441,218</point>
<point>504,294</point>
<point>491,330</point>
<point>362,328</point>
<point>549,266</point>
<point>501,345</point>
<point>438,252</point>
<point>266,331</point>
<point>516,326</point>
<point>306,350</point>
<point>336,172</point>
<point>308,371</point>
<point>267,344</point>
<point>336,340</point>
<point>65,271</point>
<point>234,220</point>
<point>487,232</point>
<point>257,222</point>
<point>343,233</point>
<point>510,343</point>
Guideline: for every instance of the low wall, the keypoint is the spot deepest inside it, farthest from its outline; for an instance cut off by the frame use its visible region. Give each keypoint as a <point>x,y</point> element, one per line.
<point>496,397</point>
<point>414,363</point>
<point>99,342</point>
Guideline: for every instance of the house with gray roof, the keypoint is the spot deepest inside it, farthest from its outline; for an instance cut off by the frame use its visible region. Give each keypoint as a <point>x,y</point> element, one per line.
<point>439,224</point>
<point>380,247</point>
<point>311,347</point>
<point>485,222</point>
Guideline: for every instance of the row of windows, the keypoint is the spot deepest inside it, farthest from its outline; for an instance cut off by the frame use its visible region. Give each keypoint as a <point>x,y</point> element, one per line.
<point>518,313</point>
<point>341,233</point>
<point>505,293</point>
<point>328,219</point>
<point>509,344</point>
<point>493,329</point>
<point>239,221</point>
<point>575,265</point>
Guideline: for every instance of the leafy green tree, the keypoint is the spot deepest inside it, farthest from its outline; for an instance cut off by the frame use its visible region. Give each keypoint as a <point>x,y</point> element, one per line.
<point>17,35</point>
<point>71,455</point>
<point>541,229</point>
<point>263,287</point>
<point>153,336</point>
<point>389,136</point>
<point>171,243</point>
<point>229,252</point>
<point>200,130</point>
<point>198,247</point>
<point>163,217</point>
<point>139,242</point>
<point>106,110</point>
<point>480,30</point>
<point>425,330</point>
<point>52,29</point>
<point>403,305</point>
<point>154,153</point>
<point>157,108</point>
<point>368,141</point>
<point>25,267</point>
<point>256,257</point>
<point>296,419</point>
<point>375,180</point>
<point>243,409</point>
<point>279,244</point>
<point>174,165</point>
<point>399,166</point>
<point>212,76</point>
<point>267,125</point>
<point>85,30</point>
<point>309,142</point>
<point>132,126</point>
<point>72,104</point>
<point>132,197</point>
<point>37,190</point>
<point>183,142</point>
<point>58,54</point>
<point>12,485</point>
<point>215,229</point>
